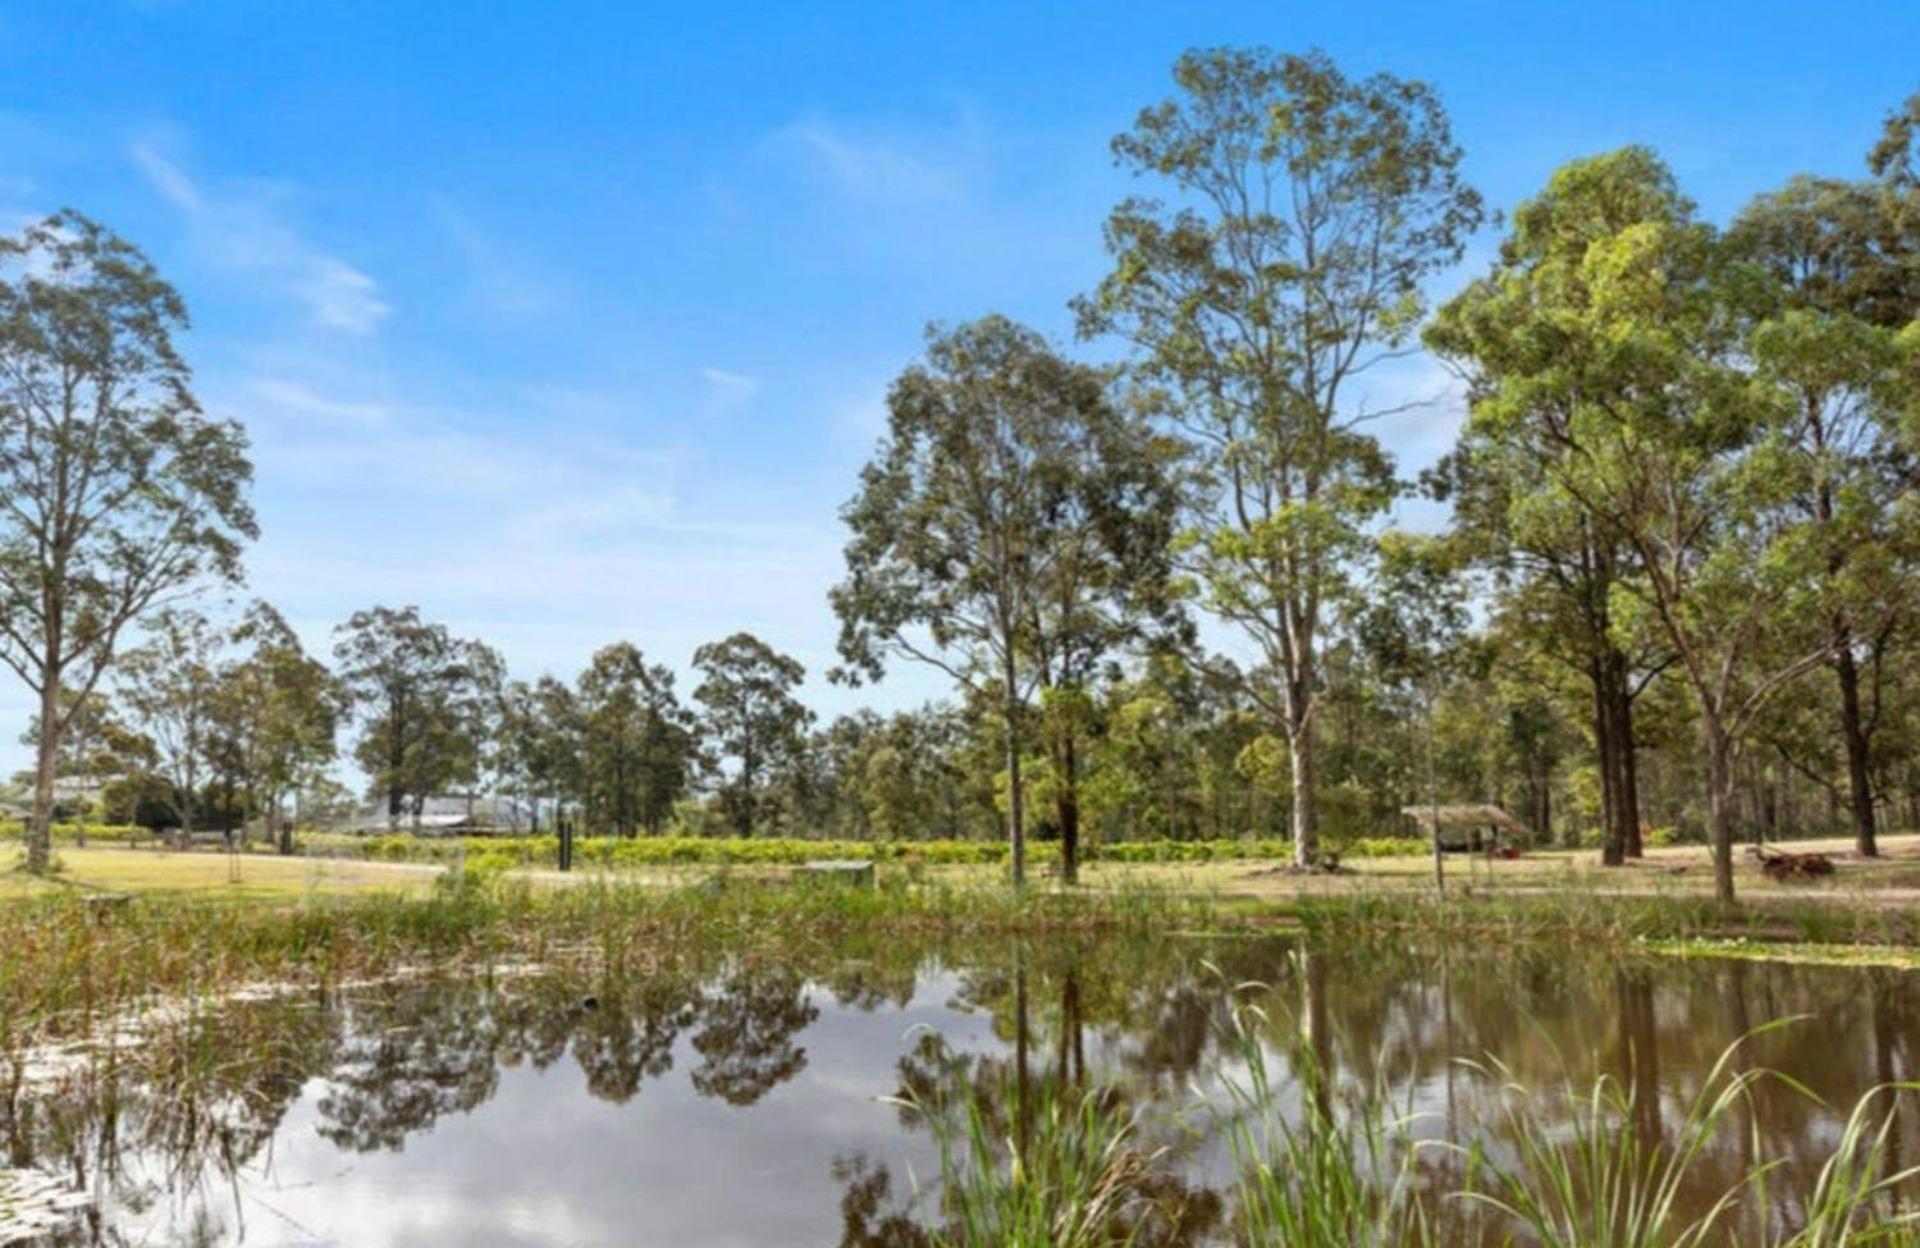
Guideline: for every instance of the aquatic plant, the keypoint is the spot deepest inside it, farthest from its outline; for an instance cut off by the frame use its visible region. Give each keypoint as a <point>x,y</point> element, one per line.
<point>1070,1174</point>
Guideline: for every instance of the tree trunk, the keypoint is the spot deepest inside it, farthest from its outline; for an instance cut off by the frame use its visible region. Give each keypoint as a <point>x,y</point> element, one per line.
<point>1306,847</point>
<point>1433,805</point>
<point>1016,808</point>
<point>1066,807</point>
<point>1720,808</point>
<point>1853,730</point>
<point>1613,845</point>
<point>1629,767</point>
<point>40,834</point>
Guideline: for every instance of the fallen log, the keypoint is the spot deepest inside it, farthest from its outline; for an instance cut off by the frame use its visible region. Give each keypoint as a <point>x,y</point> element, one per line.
<point>1793,866</point>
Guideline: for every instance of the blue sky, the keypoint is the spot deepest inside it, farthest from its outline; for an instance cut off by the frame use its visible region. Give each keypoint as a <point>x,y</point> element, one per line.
<point>572,323</point>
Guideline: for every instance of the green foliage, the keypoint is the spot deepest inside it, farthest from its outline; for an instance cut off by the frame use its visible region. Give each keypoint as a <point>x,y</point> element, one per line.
<point>120,491</point>
<point>543,851</point>
<point>1075,1178</point>
<point>1252,301</point>
<point>425,700</point>
<point>751,720</point>
<point>94,833</point>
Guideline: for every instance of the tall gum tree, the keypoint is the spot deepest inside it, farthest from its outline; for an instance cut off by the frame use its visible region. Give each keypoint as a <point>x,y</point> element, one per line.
<point>637,746</point>
<point>1307,210</point>
<point>1554,565</point>
<point>280,709</point>
<point>1842,281</point>
<point>117,493</point>
<point>989,535</point>
<point>1613,304</point>
<point>1108,589</point>
<point>426,700</point>
<point>749,714</point>
<point>170,686</point>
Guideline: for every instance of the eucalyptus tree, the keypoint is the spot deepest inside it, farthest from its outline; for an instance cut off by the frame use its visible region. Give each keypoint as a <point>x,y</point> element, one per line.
<point>169,687</point>
<point>1107,589</point>
<point>1895,158</point>
<point>750,718</point>
<point>1307,210</point>
<point>1413,629</point>
<point>1841,285</point>
<point>1612,304</point>
<point>279,710</point>
<point>991,533</point>
<point>637,742</point>
<point>116,491</point>
<point>426,701</point>
<point>97,743</point>
<point>538,744</point>
<point>1555,565</point>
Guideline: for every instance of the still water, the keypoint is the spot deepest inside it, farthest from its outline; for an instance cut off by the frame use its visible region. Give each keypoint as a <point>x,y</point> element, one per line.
<point>736,1104</point>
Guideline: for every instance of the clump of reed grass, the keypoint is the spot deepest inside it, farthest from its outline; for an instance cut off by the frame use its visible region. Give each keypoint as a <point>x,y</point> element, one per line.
<point>1583,1177</point>
<point>1339,1172</point>
<point>1857,1200</point>
<point>1316,1165</point>
<point>1070,1172</point>
<point>70,966</point>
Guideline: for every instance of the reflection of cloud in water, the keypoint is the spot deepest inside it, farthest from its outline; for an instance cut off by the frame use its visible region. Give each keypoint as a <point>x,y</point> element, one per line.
<point>745,1106</point>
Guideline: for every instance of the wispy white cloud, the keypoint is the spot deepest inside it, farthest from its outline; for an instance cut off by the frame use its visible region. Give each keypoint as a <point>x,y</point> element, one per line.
<point>239,228</point>
<point>295,396</point>
<point>499,282</point>
<point>729,389</point>
<point>168,179</point>
<point>880,166</point>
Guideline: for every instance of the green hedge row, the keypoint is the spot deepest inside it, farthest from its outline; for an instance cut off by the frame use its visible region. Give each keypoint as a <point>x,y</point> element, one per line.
<point>787,851</point>
<point>69,833</point>
<point>717,851</point>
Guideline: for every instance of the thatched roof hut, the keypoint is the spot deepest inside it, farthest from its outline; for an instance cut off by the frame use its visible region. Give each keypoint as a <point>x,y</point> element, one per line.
<point>1469,827</point>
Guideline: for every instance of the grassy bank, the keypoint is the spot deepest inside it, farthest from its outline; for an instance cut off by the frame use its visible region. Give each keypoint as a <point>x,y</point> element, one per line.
<point>72,962</point>
<point>1572,917</point>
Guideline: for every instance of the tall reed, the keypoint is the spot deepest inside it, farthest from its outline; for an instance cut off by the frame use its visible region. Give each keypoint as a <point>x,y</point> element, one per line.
<point>1069,1172</point>
<point>1335,1172</point>
<point>1316,1165</point>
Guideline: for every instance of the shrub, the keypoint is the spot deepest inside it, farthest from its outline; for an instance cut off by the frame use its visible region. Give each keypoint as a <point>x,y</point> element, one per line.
<point>652,851</point>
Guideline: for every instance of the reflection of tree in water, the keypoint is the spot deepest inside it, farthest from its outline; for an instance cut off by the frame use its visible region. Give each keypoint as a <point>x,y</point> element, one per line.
<point>414,1054</point>
<point>872,1213</point>
<point>410,1056</point>
<point>746,1038</point>
<point>629,1036</point>
<point>181,1119</point>
<point>1043,1018</point>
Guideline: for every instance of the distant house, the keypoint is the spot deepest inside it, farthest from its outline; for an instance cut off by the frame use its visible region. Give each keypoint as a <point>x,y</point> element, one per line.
<point>451,815</point>
<point>77,790</point>
<point>1469,827</point>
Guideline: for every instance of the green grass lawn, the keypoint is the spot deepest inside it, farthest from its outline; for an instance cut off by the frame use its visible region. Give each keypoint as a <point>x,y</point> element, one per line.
<point>116,869</point>
<point>1672,872</point>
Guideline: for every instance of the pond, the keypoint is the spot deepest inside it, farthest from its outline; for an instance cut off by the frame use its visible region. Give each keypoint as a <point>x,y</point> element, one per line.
<point>737,1104</point>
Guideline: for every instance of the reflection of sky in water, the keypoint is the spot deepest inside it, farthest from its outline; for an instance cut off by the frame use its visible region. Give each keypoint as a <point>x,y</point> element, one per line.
<point>542,1162</point>
<point>539,1159</point>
